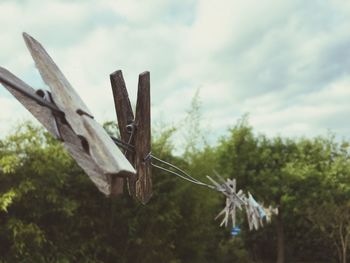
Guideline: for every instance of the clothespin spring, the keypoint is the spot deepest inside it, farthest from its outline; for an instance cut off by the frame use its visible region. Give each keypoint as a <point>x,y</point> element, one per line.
<point>131,130</point>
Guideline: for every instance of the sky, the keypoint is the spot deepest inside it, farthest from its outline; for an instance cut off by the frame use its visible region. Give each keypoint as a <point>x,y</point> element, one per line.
<point>285,63</point>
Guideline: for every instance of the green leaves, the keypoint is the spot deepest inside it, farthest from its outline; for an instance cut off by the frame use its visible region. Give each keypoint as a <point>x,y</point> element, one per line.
<point>9,163</point>
<point>6,199</point>
<point>50,211</point>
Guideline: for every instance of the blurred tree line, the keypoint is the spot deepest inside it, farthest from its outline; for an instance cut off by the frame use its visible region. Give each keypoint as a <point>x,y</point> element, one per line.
<point>51,212</point>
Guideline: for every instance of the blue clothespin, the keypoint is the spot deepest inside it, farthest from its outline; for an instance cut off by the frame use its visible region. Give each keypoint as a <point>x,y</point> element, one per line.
<point>235,231</point>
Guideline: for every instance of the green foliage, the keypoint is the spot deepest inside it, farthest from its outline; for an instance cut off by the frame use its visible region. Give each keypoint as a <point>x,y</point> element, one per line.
<point>51,212</point>
<point>6,199</point>
<point>298,176</point>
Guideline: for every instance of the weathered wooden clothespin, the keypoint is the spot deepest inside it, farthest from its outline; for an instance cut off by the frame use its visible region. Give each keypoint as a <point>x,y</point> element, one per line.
<point>256,213</point>
<point>136,131</point>
<point>233,199</point>
<point>253,216</point>
<point>67,118</point>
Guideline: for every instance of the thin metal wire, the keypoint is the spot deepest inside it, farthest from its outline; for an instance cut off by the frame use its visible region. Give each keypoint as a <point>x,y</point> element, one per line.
<point>181,173</point>
<point>175,167</point>
<point>183,177</point>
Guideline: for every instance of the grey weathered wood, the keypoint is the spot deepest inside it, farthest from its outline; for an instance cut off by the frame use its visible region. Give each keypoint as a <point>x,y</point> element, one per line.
<point>11,81</point>
<point>103,150</point>
<point>42,114</point>
<point>59,129</point>
<point>66,116</point>
<point>143,139</point>
<point>62,92</point>
<point>101,147</point>
<point>125,117</point>
<point>75,147</point>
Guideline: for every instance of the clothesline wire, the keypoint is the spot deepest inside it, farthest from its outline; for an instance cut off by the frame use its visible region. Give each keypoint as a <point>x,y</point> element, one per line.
<point>182,177</point>
<point>180,173</point>
<point>178,169</point>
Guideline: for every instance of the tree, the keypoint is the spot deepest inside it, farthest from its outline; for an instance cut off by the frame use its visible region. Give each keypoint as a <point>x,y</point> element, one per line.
<point>330,213</point>
<point>279,171</point>
<point>51,212</point>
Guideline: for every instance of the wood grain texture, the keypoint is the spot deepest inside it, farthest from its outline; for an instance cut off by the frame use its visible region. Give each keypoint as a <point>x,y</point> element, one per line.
<point>62,92</point>
<point>122,104</point>
<point>74,146</point>
<point>58,127</point>
<point>125,117</point>
<point>42,114</point>
<point>143,139</point>
<point>101,147</point>
<point>83,137</point>
<point>103,150</point>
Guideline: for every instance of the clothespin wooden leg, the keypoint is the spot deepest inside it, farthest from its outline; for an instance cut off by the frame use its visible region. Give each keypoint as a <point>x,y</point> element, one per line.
<point>143,139</point>
<point>135,131</point>
<point>125,118</point>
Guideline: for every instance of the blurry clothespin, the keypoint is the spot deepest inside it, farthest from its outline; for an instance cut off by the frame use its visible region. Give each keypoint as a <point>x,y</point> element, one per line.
<point>255,213</point>
<point>235,231</point>
<point>269,212</point>
<point>233,199</point>
<point>63,113</point>
<point>135,130</point>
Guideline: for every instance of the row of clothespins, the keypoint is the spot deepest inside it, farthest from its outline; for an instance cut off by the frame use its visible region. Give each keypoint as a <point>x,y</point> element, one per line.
<point>64,114</point>
<point>256,213</point>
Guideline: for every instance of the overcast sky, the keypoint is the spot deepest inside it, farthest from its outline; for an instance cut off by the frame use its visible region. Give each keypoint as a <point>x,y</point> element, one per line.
<point>286,63</point>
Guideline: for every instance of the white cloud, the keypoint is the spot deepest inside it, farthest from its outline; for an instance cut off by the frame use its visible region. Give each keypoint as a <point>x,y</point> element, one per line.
<point>11,114</point>
<point>286,63</point>
<point>311,114</point>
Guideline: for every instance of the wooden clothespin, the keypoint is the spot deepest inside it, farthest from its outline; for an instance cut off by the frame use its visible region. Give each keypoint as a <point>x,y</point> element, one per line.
<point>253,214</point>
<point>136,131</point>
<point>67,118</point>
<point>234,199</point>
